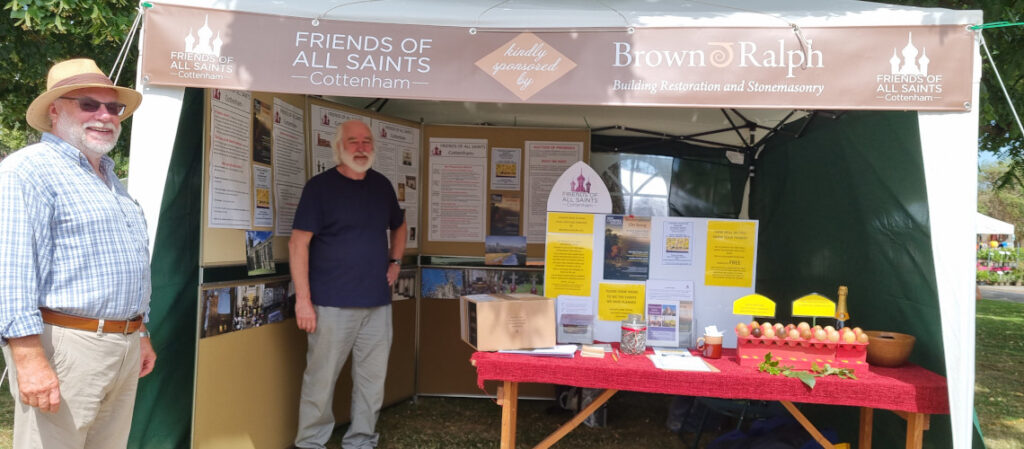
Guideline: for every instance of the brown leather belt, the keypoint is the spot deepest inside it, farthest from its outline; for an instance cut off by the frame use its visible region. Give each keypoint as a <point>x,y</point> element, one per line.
<point>92,325</point>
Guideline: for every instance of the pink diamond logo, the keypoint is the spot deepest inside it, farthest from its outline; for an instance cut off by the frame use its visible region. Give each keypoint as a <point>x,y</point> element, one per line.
<point>525,65</point>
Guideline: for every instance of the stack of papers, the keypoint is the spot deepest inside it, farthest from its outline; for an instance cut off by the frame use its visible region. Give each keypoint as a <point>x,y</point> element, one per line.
<point>679,363</point>
<point>678,352</point>
<point>566,351</point>
<point>597,350</point>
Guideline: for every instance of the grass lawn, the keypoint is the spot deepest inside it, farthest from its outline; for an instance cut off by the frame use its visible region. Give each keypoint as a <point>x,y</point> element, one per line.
<point>640,418</point>
<point>998,388</point>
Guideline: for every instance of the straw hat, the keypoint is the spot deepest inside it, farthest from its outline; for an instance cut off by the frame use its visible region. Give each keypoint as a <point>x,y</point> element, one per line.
<point>66,76</point>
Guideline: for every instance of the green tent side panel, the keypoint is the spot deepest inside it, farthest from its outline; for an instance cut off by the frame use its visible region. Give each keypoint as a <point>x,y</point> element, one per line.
<point>163,407</point>
<point>846,204</point>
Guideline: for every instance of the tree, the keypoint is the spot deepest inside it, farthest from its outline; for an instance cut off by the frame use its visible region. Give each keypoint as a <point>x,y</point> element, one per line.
<point>997,128</point>
<point>1005,203</point>
<point>37,33</point>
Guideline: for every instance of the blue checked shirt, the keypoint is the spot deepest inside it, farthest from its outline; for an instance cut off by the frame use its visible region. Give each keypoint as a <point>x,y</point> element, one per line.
<point>68,241</point>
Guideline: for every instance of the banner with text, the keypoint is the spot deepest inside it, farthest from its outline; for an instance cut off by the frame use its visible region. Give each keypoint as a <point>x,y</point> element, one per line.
<point>909,67</point>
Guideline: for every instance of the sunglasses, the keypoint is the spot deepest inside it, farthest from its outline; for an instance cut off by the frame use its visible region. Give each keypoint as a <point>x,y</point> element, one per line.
<point>87,104</point>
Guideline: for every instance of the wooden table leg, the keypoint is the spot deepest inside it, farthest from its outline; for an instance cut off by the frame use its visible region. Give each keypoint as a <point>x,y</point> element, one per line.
<point>576,420</point>
<point>867,421</point>
<point>916,425</point>
<point>824,442</point>
<point>508,397</point>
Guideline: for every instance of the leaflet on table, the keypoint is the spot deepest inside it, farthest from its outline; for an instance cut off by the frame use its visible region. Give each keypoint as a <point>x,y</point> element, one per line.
<point>564,351</point>
<point>677,363</point>
<point>575,319</point>
<point>669,311</point>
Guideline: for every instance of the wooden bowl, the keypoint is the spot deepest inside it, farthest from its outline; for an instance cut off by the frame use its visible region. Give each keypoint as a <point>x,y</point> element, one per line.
<point>889,348</point>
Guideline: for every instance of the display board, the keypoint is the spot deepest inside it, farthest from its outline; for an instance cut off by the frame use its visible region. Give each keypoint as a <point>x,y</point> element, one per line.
<point>483,181</point>
<point>253,170</point>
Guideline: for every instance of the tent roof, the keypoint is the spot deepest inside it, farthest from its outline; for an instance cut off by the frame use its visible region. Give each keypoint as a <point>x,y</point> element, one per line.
<point>610,13</point>
<point>989,225</point>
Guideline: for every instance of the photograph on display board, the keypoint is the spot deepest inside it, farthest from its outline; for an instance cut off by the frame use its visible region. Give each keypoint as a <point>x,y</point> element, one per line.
<point>248,310</point>
<point>627,247</point>
<point>508,250</point>
<point>505,214</point>
<point>441,283</point>
<point>503,281</point>
<point>405,287</point>
<point>216,316</point>
<point>261,131</point>
<point>278,301</point>
<point>259,252</point>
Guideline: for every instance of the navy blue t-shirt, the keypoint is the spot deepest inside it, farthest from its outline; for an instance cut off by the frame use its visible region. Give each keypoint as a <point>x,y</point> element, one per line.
<point>348,255</point>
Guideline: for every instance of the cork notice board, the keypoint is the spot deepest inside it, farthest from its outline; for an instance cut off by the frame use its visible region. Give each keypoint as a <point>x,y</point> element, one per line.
<point>496,140</point>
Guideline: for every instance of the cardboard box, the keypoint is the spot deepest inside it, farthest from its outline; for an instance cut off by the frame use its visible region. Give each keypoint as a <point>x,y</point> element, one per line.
<point>507,321</point>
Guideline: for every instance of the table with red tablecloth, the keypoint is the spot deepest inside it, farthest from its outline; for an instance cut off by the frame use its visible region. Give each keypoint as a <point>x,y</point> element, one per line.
<point>910,391</point>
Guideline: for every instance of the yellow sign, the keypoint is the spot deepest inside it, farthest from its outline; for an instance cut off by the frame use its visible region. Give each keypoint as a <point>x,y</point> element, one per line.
<point>730,257</point>
<point>754,304</point>
<point>570,223</point>
<point>814,305</point>
<point>567,263</point>
<point>616,301</point>
<point>506,170</point>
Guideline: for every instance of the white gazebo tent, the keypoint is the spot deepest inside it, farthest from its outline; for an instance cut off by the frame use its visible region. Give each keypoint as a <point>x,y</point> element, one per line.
<point>990,226</point>
<point>947,137</point>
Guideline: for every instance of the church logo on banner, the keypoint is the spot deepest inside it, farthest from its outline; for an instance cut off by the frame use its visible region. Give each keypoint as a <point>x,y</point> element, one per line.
<point>525,65</point>
<point>908,79</point>
<point>201,56</point>
<point>580,189</point>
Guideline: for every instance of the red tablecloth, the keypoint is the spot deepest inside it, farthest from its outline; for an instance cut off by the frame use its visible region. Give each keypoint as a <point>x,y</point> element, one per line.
<point>908,388</point>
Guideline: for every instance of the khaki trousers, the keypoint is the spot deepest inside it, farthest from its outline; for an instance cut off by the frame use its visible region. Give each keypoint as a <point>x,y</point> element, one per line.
<point>98,374</point>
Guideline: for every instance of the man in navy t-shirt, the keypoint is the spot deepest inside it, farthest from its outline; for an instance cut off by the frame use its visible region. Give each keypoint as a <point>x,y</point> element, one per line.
<point>343,271</point>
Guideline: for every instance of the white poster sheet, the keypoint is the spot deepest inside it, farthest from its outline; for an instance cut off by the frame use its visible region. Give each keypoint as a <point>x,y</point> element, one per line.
<point>458,169</point>
<point>263,217</point>
<point>666,300</point>
<point>545,162</point>
<point>678,242</point>
<point>230,130</point>
<point>289,163</point>
<point>506,170</point>
<point>397,148</point>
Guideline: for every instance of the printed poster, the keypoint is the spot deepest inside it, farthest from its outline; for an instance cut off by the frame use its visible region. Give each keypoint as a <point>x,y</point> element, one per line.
<point>506,169</point>
<point>263,216</point>
<point>545,163</point>
<point>262,139</point>
<point>730,257</point>
<point>230,205</point>
<point>457,204</point>
<point>289,164</point>
<point>504,214</point>
<point>678,242</point>
<point>569,254</point>
<point>616,301</point>
<point>627,247</point>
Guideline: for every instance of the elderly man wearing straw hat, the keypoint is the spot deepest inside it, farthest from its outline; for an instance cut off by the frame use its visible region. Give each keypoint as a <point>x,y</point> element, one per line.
<point>74,269</point>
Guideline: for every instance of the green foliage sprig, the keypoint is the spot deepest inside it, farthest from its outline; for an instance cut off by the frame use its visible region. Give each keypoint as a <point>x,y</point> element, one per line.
<point>771,366</point>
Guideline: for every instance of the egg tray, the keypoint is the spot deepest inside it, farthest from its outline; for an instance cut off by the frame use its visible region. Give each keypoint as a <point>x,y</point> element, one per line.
<point>800,353</point>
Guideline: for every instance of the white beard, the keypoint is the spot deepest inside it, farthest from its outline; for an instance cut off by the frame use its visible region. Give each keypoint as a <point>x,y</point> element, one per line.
<point>349,161</point>
<point>76,136</point>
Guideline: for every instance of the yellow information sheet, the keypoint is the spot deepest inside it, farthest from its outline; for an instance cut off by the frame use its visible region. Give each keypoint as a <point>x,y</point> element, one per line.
<point>570,223</point>
<point>814,305</point>
<point>730,256</point>
<point>616,301</point>
<point>567,264</point>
